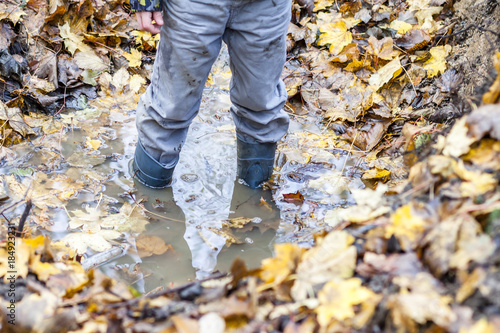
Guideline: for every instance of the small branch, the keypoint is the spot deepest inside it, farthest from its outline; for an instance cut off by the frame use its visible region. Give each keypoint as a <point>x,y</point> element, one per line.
<point>100,258</point>
<point>438,38</point>
<point>166,292</point>
<point>20,227</point>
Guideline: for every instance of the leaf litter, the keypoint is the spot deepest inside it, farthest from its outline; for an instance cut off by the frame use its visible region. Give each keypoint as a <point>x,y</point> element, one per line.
<point>372,95</point>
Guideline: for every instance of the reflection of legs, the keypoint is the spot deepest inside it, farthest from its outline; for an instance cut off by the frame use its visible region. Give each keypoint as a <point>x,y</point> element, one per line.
<point>190,43</point>
<point>257,49</point>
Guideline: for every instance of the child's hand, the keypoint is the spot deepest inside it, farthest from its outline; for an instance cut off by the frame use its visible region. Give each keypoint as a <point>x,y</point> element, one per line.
<point>149,21</point>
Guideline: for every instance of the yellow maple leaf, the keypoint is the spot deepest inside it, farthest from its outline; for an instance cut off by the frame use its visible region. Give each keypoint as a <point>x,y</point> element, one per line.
<point>339,299</point>
<point>437,63</point>
<point>406,226</point>
<point>400,26</point>
<point>376,173</point>
<point>386,73</point>
<point>276,270</point>
<point>72,41</point>
<point>134,58</point>
<point>93,144</point>
<point>136,82</point>
<point>336,35</point>
<point>322,4</point>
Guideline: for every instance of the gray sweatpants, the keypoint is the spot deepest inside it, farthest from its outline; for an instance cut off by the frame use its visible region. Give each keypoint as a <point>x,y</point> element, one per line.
<point>255,33</point>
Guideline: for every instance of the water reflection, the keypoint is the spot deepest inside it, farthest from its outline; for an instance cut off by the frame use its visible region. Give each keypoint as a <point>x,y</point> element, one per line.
<point>204,195</point>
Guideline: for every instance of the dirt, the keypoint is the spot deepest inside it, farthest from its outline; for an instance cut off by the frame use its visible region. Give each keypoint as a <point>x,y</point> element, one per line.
<point>474,49</point>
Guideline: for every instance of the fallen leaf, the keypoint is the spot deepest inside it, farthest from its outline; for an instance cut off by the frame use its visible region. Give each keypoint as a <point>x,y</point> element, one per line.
<point>386,73</point>
<point>339,301</point>
<point>335,34</point>
<point>382,49</point>
<point>90,60</point>
<point>437,63</point>
<point>333,257</point>
<point>72,41</point>
<point>134,58</point>
<point>277,269</point>
<point>457,141</point>
<point>407,226</point>
<point>401,26</point>
<point>151,245</point>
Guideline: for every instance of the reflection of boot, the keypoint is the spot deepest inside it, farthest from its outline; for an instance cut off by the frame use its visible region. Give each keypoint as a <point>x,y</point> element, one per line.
<point>255,161</point>
<point>255,203</point>
<point>149,171</point>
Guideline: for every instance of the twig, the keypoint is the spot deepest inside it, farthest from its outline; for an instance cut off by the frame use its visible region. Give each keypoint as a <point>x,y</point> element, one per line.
<point>20,227</point>
<point>64,102</point>
<point>153,213</point>
<point>438,38</point>
<point>166,291</point>
<point>100,258</point>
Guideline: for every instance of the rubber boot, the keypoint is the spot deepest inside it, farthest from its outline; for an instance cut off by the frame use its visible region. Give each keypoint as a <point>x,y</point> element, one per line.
<point>149,171</point>
<point>255,162</point>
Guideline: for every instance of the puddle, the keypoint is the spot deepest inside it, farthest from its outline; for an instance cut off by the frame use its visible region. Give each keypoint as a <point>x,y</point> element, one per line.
<point>78,179</point>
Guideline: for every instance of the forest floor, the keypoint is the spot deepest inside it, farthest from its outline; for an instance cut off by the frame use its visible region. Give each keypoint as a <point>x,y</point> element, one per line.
<point>383,213</point>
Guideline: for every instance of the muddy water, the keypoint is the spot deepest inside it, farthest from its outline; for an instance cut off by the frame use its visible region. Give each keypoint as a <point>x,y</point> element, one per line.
<point>205,193</point>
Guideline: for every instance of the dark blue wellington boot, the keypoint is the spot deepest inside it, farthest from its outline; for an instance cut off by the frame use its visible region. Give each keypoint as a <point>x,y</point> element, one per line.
<point>149,171</point>
<point>255,162</point>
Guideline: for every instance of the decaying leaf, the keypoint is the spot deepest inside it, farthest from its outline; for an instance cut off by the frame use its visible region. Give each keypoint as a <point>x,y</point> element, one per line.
<point>151,245</point>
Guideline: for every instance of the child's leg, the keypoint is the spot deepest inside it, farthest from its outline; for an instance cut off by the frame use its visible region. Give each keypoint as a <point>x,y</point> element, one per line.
<point>190,42</point>
<point>256,38</point>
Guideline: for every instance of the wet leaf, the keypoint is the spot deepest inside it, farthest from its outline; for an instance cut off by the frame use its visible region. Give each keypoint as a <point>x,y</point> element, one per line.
<point>93,144</point>
<point>151,245</point>
<point>376,173</point>
<point>368,136</point>
<point>98,242</point>
<point>15,119</point>
<point>130,218</point>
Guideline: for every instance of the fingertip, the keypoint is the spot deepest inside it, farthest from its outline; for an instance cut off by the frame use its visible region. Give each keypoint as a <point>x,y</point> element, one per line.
<point>158,17</point>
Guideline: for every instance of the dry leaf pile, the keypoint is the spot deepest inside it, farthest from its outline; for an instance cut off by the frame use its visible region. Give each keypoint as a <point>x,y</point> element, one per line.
<point>419,252</point>
<point>427,259</point>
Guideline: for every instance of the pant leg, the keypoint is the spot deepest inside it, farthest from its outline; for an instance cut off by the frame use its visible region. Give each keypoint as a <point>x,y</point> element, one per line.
<point>256,39</point>
<point>190,42</point>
